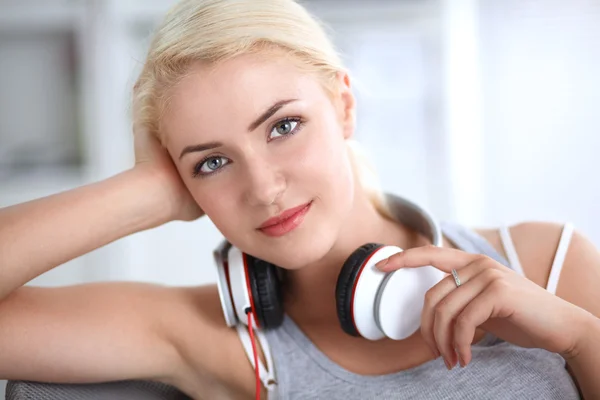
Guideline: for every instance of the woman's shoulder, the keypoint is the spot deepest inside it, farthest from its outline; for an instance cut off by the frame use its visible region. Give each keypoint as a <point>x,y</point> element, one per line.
<point>526,236</point>
<point>535,243</point>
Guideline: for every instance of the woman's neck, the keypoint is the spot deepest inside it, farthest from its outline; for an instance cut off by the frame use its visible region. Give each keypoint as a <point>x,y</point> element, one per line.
<point>309,292</point>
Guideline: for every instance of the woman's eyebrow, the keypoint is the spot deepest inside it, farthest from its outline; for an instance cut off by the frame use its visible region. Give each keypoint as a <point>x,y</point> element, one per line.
<point>262,118</point>
<point>199,147</point>
<point>267,114</point>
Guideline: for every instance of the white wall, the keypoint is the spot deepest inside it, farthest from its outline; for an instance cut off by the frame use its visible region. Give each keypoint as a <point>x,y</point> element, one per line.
<point>541,92</point>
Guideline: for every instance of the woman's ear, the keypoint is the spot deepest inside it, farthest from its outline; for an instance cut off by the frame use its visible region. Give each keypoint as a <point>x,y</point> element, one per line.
<point>347,104</point>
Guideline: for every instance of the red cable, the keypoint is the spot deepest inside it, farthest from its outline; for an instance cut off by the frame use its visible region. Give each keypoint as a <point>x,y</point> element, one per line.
<point>255,352</point>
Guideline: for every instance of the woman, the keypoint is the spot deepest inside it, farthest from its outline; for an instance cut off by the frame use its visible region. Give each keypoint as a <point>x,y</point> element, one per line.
<point>242,111</point>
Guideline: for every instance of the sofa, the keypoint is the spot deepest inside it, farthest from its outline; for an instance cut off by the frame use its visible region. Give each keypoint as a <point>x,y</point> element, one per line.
<point>121,390</point>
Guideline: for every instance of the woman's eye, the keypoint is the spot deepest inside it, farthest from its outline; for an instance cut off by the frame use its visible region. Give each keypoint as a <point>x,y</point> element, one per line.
<point>210,165</point>
<point>284,127</point>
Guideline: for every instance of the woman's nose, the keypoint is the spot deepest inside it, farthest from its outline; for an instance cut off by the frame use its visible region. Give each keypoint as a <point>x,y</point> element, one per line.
<point>265,184</point>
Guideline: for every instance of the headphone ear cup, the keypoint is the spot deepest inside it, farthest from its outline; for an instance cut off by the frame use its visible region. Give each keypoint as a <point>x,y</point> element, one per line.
<point>266,292</point>
<point>346,284</point>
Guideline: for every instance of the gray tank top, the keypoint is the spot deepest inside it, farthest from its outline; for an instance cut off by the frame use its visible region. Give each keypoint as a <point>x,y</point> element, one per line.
<point>498,370</point>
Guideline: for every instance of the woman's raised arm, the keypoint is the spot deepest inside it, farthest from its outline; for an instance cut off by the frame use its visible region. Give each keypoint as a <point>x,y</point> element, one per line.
<point>39,235</point>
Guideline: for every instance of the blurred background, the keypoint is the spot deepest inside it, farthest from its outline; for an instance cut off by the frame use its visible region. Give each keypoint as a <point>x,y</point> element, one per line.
<point>484,111</point>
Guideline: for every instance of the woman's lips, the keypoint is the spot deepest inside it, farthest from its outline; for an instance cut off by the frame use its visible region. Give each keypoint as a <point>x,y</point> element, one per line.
<point>286,222</point>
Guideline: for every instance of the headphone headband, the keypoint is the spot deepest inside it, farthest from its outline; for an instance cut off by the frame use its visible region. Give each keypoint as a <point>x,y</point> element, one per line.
<point>415,217</point>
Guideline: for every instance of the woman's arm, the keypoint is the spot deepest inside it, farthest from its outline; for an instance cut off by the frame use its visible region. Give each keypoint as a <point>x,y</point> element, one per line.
<point>81,333</point>
<point>584,361</point>
<point>41,234</point>
<point>87,333</point>
<point>38,235</point>
<point>101,331</point>
<point>578,284</point>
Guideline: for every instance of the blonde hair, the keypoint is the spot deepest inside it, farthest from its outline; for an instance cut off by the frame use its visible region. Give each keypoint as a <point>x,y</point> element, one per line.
<point>213,31</point>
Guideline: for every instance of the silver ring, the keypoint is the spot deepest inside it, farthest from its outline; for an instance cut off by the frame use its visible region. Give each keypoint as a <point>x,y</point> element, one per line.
<point>456,278</point>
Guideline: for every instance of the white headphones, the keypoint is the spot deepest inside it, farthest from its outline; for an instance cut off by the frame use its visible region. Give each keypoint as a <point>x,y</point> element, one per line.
<point>370,303</point>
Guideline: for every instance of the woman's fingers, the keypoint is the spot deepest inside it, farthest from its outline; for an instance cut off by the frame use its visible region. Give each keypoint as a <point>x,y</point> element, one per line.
<point>444,304</point>
<point>440,306</point>
<point>447,314</point>
<point>442,258</point>
<point>488,304</point>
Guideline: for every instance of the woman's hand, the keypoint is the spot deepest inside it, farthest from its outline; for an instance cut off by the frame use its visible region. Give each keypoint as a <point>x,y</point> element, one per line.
<point>493,297</point>
<point>153,158</point>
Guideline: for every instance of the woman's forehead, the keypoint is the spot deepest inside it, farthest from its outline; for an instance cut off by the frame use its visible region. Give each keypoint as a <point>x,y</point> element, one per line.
<point>244,78</point>
<point>237,90</point>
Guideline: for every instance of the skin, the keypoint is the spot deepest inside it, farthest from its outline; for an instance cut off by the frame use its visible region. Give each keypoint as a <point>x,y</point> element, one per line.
<point>261,173</point>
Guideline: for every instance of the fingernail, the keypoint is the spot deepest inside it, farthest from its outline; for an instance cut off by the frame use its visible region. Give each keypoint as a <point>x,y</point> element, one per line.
<point>447,364</point>
<point>382,263</point>
<point>460,361</point>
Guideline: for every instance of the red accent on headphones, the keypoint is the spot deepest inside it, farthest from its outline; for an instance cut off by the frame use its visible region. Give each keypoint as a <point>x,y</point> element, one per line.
<point>252,307</point>
<point>362,268</point>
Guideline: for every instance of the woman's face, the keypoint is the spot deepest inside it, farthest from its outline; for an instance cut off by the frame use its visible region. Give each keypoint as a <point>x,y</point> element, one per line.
<point>256,137</point>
